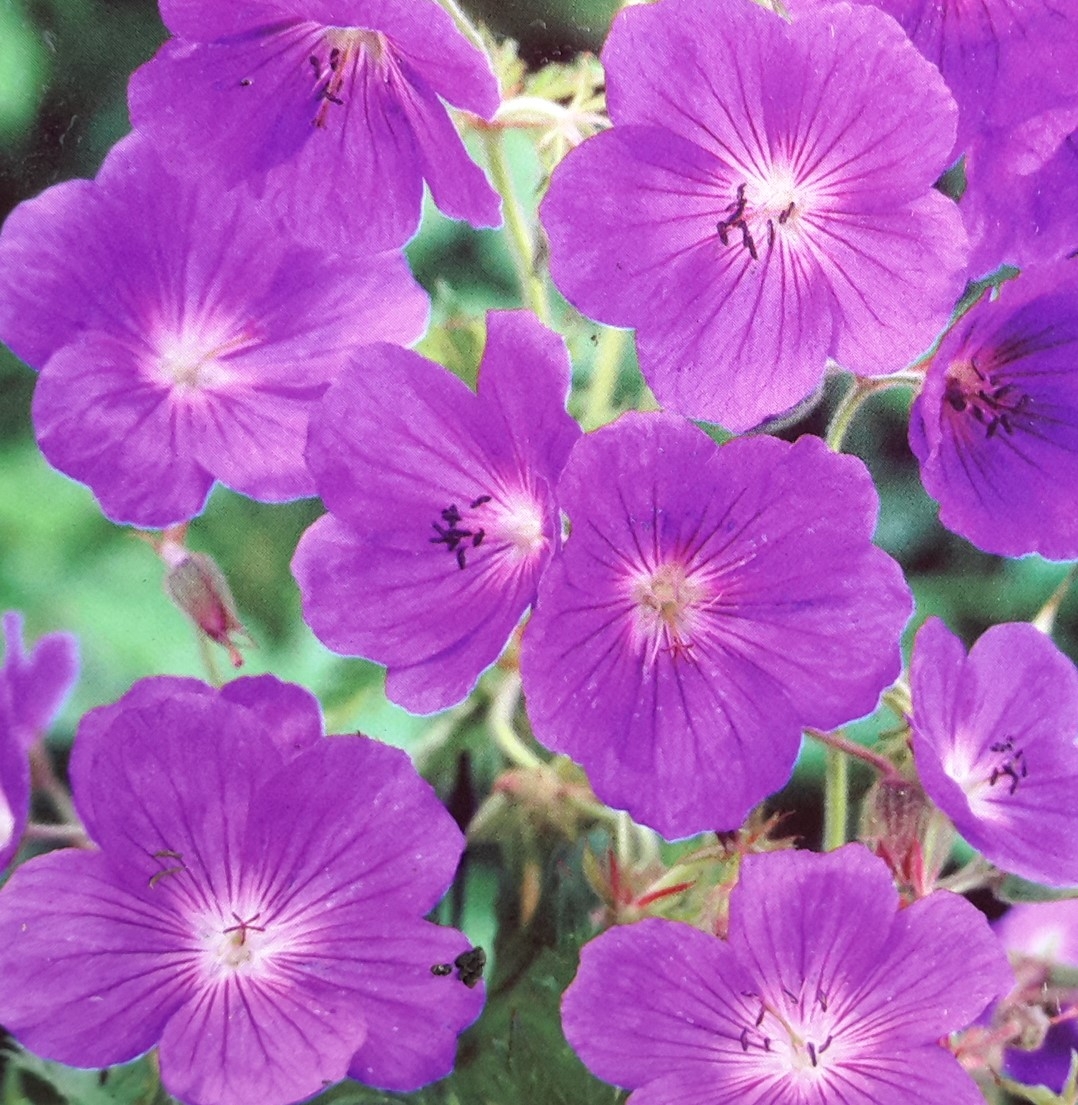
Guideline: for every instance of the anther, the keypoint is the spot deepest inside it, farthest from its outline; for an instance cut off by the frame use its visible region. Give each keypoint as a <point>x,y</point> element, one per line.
<point>477,538</point>
<point>316,65</point>
<point>824,1046</point>
<point>784,215</point>
<point>480,501</point>
<point>334,58</point>
<point>812,1052</point>
<point>744,1038</point>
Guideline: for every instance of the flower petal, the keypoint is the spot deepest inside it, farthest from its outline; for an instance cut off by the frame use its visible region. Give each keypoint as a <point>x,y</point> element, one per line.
<point>90,969</point>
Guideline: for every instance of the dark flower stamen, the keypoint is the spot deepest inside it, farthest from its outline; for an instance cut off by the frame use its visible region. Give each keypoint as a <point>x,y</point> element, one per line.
<point>454,536</point>
<point>993,405</point>
<point>738,218</point>
<point>1013,767</point>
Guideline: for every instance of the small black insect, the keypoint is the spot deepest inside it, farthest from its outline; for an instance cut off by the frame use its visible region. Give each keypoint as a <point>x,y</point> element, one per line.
<point>442,969</point>
<point>470,966</point>
<point>246,82</point>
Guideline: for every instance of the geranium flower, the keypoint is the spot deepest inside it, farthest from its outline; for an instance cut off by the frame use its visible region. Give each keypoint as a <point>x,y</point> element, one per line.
<point>1004,62</point>
<point>994,739</point>
<point>1021,206</point>
<point>38,683</point>
<point>709,604</point>
<point>822,992</point>
<point>255,909</point>
<point>763,202</point>
<point>995,427</point>
<point>331,111</point>
<point>32,690</point>
<point>182,337</point>
<point>441,507</point>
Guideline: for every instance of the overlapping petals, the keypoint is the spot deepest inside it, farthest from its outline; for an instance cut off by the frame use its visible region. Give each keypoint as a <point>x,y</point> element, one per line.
<point>822,992</point>
<point>442,509</point>
<point>256,908</point>
<point>995,427</point>
<point>708,605</point>
<point>763,202</point>
<point>182,338</point>
<point>331,112</point>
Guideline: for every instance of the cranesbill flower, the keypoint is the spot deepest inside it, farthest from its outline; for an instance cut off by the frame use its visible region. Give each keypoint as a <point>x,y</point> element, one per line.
<point>37,683</point>
<point>255,909</point>
<point>823,992</point>
<point>332,111</point>
<point>1004,62</point>
<point>763,202</point>
<point>32,690</point>
<point>441,507</point>
<point>182,337</point>
<point>995,427</point>
<point>994,739</point>
<point>709,604</point>
<point>1021,205</point>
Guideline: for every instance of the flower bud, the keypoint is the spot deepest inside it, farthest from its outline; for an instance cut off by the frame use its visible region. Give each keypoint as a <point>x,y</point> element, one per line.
<point>198,587</point>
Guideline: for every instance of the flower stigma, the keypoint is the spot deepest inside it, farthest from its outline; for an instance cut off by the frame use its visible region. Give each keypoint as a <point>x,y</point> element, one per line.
<point>666,601</point>
<point>337,58</point>
<point>191,362</point>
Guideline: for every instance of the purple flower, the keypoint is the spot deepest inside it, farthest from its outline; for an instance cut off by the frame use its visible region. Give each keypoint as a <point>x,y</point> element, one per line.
<point>332,110</point>
<point>994,739</point>
<point>1021,204</point>
<point>181,337</point>
<point>255,909</point>
<point>763,202</point>
<point>823,992</point>
<point>1004,62</point>
<point>995,427</point>
<point>32,690</point>
<point>710,603</point>
<point>441,507</point>
<point>1045,931</point>
<point>39,683</point>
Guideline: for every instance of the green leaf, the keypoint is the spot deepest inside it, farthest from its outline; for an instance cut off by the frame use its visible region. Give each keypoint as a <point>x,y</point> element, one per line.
<point>517,1051</point>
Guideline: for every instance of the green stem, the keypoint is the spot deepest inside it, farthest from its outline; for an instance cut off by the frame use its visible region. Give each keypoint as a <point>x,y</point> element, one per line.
<point>500,719</point>
<point>1045,618</point>
<point>605,372</point>
<point>854,399</point>
<point>209,662</point>
<point>838,743</point>
<point>836,799</point>
<point>521,235</point>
